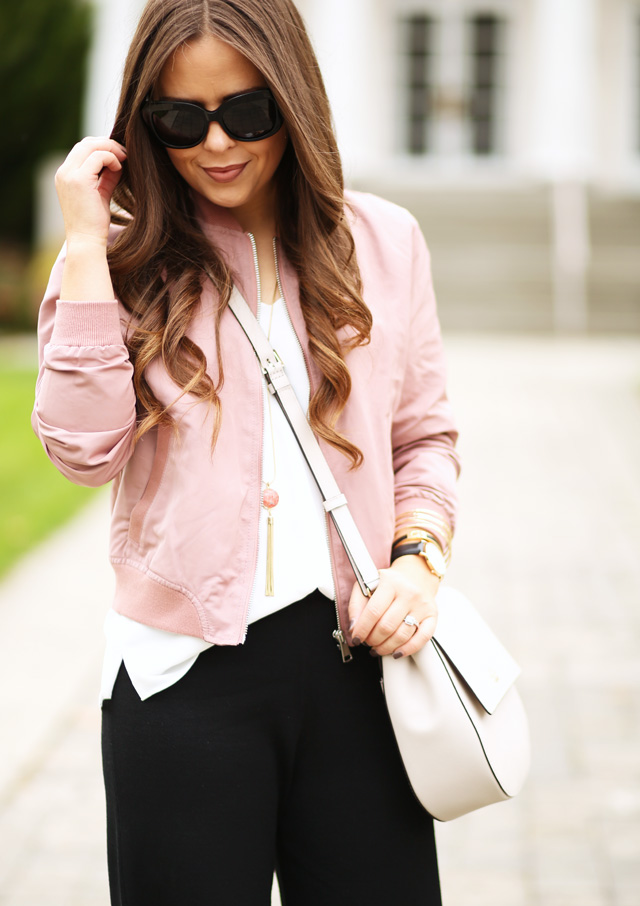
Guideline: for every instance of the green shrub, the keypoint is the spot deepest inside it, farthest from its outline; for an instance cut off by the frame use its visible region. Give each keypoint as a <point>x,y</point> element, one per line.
<point>42,71</point>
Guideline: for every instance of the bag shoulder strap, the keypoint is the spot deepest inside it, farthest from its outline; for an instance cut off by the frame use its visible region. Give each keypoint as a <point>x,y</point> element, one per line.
<point>335,503</point>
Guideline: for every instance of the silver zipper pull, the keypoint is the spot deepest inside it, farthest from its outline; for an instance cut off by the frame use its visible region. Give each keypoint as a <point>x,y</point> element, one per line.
<point>345,651</point>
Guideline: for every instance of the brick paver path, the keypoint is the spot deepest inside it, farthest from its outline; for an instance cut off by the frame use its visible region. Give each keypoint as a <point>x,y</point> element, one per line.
<point>548,546</point>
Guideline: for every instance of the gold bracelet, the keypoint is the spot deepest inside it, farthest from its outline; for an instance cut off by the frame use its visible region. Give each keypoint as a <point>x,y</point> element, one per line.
<point>429,523</point>
<point>420,515</point>
<point>416,534</point>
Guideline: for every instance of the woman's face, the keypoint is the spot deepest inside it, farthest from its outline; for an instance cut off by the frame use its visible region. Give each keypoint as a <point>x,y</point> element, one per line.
<point>236,175</point>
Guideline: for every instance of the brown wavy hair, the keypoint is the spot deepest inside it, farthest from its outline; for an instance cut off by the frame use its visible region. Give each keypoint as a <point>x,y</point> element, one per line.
<point>158,261</point>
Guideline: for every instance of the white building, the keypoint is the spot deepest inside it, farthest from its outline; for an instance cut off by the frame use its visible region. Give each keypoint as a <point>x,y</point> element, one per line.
<point>510,122</point>
<point>469,88</point>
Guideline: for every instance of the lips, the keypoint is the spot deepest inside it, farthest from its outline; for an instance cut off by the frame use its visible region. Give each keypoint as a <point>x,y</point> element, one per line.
<point>225,174</point>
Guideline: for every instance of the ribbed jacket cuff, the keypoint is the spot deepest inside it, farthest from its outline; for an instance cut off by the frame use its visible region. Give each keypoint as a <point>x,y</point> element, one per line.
<point>87,324</point>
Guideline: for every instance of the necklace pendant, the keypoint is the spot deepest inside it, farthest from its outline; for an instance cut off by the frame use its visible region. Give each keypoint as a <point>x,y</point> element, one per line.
<point>268,585</point>
<point>270,498</point>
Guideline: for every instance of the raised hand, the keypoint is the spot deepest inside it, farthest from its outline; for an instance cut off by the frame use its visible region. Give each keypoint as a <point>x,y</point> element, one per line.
<point>85,183</point>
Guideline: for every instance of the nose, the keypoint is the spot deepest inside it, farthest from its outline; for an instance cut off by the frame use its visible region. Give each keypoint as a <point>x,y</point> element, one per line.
<point>217,139</point>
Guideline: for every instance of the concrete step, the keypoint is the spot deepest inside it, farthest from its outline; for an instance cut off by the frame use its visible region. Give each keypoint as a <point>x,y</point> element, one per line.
<point>518,217</point>
<point>614,221</point>
<point>492,256</point>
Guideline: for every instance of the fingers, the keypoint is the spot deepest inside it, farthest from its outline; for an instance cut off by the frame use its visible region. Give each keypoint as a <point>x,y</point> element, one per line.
<point>84,148</point>
<point>85,183</point>
<point>87,159</point>
<point>98,160</point>
<point>391,631</point>
<point>419,639</point>
<point>365,612</point>
<point>357,603</point>
<point>108,180</point>
<point>379,620</point>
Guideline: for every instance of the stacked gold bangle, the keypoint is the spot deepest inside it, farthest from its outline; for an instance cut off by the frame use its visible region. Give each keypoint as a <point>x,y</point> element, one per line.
<point>424,525</point>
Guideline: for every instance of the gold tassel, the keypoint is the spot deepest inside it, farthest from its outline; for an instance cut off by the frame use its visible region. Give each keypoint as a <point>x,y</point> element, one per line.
<point>268,589</point>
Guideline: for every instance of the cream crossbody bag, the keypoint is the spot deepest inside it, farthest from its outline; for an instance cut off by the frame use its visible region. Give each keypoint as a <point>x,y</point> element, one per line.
<point>459,722</point>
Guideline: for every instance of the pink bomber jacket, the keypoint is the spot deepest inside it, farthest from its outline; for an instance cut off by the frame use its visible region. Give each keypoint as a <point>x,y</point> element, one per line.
<point>184,531</point>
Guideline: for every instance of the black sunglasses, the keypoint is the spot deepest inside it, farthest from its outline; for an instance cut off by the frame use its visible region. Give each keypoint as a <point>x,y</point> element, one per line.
<point>248,117</point>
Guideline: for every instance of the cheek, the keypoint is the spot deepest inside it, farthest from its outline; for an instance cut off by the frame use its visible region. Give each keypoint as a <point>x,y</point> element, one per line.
<point>276,151</point>
<point>181,160</point>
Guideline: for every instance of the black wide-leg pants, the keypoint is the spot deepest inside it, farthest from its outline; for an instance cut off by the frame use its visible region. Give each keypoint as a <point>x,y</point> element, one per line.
<point>272,755</point>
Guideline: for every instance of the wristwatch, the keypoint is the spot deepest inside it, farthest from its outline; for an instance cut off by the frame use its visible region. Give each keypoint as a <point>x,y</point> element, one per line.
<point>427,549</point>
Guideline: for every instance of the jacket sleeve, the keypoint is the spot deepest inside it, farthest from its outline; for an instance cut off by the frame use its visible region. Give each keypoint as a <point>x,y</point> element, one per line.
<point>85,407</point>
<point>426,465</point>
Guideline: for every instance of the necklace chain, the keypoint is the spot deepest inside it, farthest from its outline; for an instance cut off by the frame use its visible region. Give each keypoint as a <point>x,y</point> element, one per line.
<point>273,437</point>
<point>270,497</point>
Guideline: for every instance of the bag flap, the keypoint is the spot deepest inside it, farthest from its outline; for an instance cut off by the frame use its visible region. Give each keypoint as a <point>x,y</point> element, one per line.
<point>470,645</point>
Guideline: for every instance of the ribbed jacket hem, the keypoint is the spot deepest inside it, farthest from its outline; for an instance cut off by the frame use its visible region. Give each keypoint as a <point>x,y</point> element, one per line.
<point>149,599</point>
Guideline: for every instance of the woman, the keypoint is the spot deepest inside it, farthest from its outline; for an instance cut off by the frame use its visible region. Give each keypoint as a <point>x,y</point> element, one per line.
<point>236,740</point>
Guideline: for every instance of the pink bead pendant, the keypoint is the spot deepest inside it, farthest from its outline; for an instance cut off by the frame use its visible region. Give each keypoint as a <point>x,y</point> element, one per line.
<point>270,498</point>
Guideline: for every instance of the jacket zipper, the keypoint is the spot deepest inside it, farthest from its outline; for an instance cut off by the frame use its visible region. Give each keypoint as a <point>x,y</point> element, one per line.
<point>256,265</point>
<point>338,633</point>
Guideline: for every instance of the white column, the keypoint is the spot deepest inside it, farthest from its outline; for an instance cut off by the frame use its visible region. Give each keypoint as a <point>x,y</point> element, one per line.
<point>564,148</point>
<point>618,97</point>
<point>565,59</point>
<point>345,37</point>
<point>114,24</point>
<point>571,252</point>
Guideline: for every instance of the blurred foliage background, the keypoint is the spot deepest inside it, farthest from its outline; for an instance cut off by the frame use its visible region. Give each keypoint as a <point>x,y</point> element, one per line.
<point>45,46</point>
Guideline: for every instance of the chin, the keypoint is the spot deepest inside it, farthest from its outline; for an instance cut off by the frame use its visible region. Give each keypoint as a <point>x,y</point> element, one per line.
<point>229,195</point>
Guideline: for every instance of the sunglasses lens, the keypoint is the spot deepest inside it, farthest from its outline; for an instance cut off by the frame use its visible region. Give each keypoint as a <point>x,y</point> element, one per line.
<point>181,126</point>
<point>251,117</point>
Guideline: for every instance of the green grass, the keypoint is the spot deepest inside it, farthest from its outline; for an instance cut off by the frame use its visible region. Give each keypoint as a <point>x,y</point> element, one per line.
<point>34,497</point>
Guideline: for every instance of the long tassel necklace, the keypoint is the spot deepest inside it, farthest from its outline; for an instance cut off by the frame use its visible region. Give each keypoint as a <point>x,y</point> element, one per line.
<point>270,496</point>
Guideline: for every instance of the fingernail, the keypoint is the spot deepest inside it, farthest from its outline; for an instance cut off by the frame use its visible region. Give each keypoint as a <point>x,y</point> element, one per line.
<point>373,652</point>
<point>357,641</point>
<point>397,655</point>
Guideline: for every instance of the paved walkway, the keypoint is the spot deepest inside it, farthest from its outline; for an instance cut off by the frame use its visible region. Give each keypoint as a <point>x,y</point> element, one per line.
<point>547,545</point>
